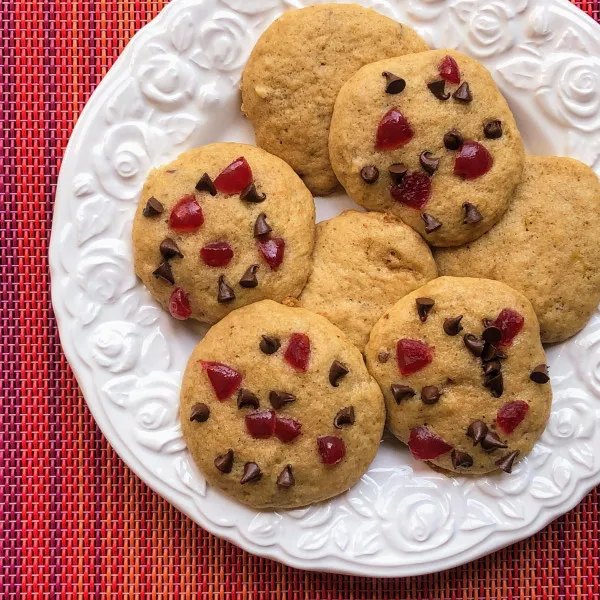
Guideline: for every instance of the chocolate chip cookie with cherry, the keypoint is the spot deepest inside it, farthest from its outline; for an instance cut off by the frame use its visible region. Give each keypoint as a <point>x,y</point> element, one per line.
<point>463,373</point>
<point>220,227</point>
<point>278,409</point>
<point>429,138</point>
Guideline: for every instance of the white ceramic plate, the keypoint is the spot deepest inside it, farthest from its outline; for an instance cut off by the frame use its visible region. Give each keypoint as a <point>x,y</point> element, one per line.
<point>175,87</point>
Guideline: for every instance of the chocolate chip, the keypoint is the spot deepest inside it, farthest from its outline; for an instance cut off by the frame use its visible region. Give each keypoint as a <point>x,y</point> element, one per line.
<point>461,459</point>
<point>336,372</point>
<point>345,416</point>
<point>474,344</point>
<point>452,325</point>
<point>153,207</point>
<point>438,89</point>
<point>401,392</point>
<point>501,354</point>
<point>199,413</point>
<point>269,344</point>
<point>251,474</point>
<point>205,184</point>
<point>492,335</point>
<point>394,84</point>
<point>487,322</point>
<point>492,368</point>
<point>286,478</point>
<point>224,293</point>
<point>246,398</point>
<point>249,194</point>
<point>224,462</point>
<point>431,223</point>
<point>491,442</point>
<point>398,172</point>
<point>506,462</point>
<point>463,93</point>
<point>495,383</point>
<point>472,214</point>
<point>489,353</point>
<point>164,272</point>
<point>424,306</point>
<point>429,162</point>
<point>540,374</point>
<point>369,174</point>
<point>279,399</point>
<point>261,227</point>
<point>430,394</point>
<point>492,129</point>
<point>170,249</point>
<point>453,140</point>
<point>383,356</point>
<point>477,430</point>
<point>249,279</point>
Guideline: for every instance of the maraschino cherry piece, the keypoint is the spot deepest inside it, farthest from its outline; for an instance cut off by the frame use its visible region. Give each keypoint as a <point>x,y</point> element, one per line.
<point>261,424</point>
<point>449,70</point>
<point>297,353</point>
<point>510,323</point>
<point>393,131</point>
<point>234,178</point>
<point>272,250</point>
<point>472,160</point>
<point>412,355</point>
<point>186,215</point>
<point>287,430</point>
<point>179,305</point>
<point>414,190</point>
<point>217,254</point>
<point>510,415</point>
<point>225,380</point>
<point>424,444</point>
<point>331,448</point>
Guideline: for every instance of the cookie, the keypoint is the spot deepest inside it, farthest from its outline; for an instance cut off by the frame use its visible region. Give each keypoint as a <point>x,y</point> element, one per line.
<point>429,138</point>
<point>464,374</point>
<point>363,263</point>
<point>296,70</point>
<point>278,409</point>
<point>546,246</point>
<point>220,227</point>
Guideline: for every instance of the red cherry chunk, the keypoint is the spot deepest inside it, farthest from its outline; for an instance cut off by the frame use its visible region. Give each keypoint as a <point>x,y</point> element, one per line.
<point>393,131</point>
<point>179,305</point>
<point>272,250</point>
<point>261,424</point>
<point>331,448</point>
<point>217,254</point>
<point>412,355</point>
<point>414,190</point>
<point>297,353</point>
<point>186,215</point>
<point>424,444</point>
<point>287,430</point>
<point>449,70</point>
<point>234,178</point>
<point>510,415</point>
<point>225,381</point>
<point>472,160</point>
<point>510,323</point>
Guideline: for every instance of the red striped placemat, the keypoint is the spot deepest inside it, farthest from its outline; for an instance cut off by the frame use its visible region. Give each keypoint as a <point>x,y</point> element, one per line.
<point>74,521</point>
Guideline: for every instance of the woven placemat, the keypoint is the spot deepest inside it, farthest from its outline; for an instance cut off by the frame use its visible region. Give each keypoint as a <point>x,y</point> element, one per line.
<point>74,521</point>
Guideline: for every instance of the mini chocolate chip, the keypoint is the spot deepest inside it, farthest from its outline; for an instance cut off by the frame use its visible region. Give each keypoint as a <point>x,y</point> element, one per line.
<point>383,356</point>
<point>170,249</point>
<point>487,322</point>
<point>453,140</point>
<point>279,399</point>
<point>199,413</point>
<point>224,462</point>
<point>246,398</point>
<point>369,174</point>
<point>225,293</point>
<point>249,279</point>
<point>249,194</point>
<point>489,353</point>
<point>431,223</point>
<point>492,368</point>
<point>394,84</point>
<point>205,184</point>
<point>286,478</point>
<point>424,306</point>
<point>452,325</point>
<point>540,374</point>
<point>251,474</point>
<point>345,416</point>
<point>164,272</point>
<point>269,344</point>
<point>495,383</point>
<point>492,335</point>
<point>492,129</point>
<point>461,459</point>
<point>506,462</point>
<point>491,442</point>
<point>472,214</point>
<point>474,344</point>
<point>429,162</point>
<point>438,89</point>
<point>463,93</point>
<point>401,392</point>
<point>336,372</point>
<point>153,207</point>
<point>501,354</point>
<point>261,227</point>
<point>430,394</point>
<point>477,430</point>
<point>398,172</point>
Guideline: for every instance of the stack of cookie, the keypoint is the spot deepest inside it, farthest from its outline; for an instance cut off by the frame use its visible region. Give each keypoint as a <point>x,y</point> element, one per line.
<point>278,405</point>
